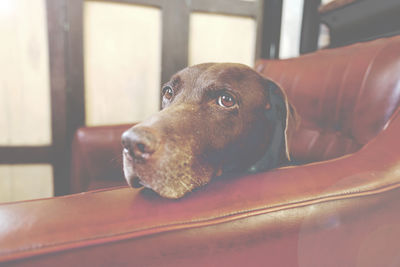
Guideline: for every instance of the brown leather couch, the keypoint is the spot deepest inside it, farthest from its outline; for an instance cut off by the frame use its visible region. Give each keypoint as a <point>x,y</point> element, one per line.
<point>341,209</point>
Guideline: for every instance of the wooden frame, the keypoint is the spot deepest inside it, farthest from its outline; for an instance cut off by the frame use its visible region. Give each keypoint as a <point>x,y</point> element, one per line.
<point>310,26</point>
<point>25,154</point>
<point>270,28</point>
<point>65,37</point>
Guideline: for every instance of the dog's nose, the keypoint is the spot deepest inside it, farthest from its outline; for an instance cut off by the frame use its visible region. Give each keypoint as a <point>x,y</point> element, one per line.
<point>139,142</point>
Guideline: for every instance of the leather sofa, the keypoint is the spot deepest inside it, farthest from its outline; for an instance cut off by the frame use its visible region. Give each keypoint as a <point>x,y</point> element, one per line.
<point>339,206</point>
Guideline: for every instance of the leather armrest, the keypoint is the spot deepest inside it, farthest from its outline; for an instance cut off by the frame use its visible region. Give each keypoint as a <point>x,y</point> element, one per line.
<point>342,212</point>
<point>96,160</point>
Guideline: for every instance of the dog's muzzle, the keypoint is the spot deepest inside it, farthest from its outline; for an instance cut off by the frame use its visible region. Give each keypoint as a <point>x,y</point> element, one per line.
<point>139,144</point>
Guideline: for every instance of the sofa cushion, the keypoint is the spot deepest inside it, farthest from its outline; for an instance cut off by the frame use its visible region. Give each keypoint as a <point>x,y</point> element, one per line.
<point>344,96</point>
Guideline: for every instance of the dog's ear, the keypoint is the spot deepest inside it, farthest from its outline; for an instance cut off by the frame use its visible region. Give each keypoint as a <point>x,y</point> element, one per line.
<point>283,117</point>
<point>278,107</point>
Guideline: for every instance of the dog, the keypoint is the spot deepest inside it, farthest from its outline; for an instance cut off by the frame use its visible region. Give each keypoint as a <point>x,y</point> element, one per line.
<point>216,118</point>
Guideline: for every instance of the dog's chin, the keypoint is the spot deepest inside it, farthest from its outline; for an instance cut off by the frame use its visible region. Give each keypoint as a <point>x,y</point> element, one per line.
<point>172,191</point>
<point>167,183</point>
<point>174,188</point>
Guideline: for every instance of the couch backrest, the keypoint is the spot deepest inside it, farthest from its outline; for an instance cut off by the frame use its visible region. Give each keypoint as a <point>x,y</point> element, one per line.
<point>345,96</point>
<point>96,158</point>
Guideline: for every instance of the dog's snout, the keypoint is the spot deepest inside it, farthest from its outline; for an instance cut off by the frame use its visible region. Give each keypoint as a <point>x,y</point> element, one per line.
<point>139,143</point>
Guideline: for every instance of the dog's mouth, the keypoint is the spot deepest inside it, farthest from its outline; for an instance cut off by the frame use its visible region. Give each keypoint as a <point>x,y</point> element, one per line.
<point>171,171</point>
<point>136,182</point>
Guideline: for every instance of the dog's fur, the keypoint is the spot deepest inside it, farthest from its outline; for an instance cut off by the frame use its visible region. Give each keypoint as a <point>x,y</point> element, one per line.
<point>198,135</point>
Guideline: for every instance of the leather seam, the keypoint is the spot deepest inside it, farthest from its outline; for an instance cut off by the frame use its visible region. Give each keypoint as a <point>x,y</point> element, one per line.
<point>182,225</point>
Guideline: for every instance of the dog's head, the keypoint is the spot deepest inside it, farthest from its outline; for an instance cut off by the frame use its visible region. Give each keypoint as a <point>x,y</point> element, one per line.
<point>215,118</point>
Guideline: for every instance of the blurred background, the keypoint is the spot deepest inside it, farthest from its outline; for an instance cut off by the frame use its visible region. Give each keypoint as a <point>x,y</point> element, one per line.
<point>72,63</point>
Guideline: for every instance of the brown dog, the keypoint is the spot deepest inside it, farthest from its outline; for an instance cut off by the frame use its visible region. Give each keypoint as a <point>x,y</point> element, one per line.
<point>215,118</point>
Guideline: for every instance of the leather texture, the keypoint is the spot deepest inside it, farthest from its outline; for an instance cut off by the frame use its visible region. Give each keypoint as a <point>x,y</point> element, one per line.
<point>344,96</point>
<point>338,212</point>
<point>97,158</point>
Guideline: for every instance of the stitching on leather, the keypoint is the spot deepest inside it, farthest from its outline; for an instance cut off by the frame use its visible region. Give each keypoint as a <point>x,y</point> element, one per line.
<point>209,221</point>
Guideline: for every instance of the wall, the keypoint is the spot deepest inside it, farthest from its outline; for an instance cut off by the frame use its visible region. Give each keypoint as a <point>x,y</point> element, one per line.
<point>220,38</point>
<point>292,15</point>
<point>24,96</point>
<point>122,56</point>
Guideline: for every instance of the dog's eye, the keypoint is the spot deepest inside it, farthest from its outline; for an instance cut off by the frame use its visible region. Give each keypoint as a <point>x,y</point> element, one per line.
<point>226,100</point>
<point>167,92</point>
